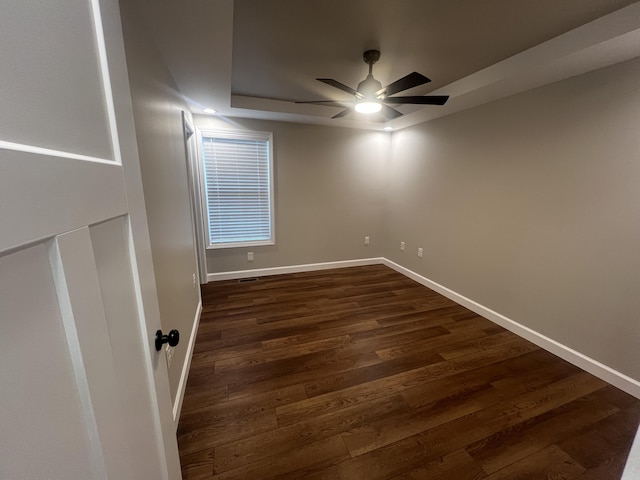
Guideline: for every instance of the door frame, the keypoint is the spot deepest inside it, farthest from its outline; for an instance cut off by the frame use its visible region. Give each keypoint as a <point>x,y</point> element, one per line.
<point>196,197</point>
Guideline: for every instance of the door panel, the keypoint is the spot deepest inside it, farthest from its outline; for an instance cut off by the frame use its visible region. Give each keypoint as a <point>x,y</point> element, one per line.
<point>79,296</point>
<point>49,64</point>
<point>40,412</point>
<point>110,241</point>
<point>83,394</point>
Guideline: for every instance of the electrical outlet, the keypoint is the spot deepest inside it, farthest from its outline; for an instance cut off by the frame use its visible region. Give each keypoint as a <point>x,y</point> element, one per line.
<point>194,280</point>
<point>250,256</point>
<point>420,252</point>
<point>402,246</point>
<point>169,351</point>
<point>366,240</point>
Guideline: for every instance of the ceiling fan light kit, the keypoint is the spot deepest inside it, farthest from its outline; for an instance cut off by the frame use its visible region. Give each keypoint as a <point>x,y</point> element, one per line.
<point>371,97</point>
<point>367,107</point>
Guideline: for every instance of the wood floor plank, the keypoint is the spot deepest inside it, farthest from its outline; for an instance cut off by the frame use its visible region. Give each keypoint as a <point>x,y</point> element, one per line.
<point>530,376</point>
<point>427,393</point>
<point>417,343</point>
<point>603,447</point>
<point>298,462</point>
<point>362,374</point>
<point>203,396</point>
<point>378,343</point>
<point>551,462</point>
<point>197,465</point>
<point>283,439</point>
<point>212,323</point>
<point>285,367</point>
<point>526,438</point>
<point>243,387</point>
<point>451,351</point>
<point>369,373</point>
<point>397,383</point>
<point>382,387</point>
<point>229,412</point>
<point>430,324</point>
<point>195,439</point>
<point>545,399</point>
<point>272,355</point>
<point>410,453</point>
<point>390,430</point>
<point>297,338</point>
<point>207,353</point>
<point>396,316</point>
<point>472,321</point>
<point>458,465</point>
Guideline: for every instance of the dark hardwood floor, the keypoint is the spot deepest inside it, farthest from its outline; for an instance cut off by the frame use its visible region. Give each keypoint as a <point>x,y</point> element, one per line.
<point>361,373</point>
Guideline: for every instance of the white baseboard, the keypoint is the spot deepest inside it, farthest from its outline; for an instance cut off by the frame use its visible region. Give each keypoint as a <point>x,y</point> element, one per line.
<point>608,374</point>
<point>262,272</point>
<point>177,404</point>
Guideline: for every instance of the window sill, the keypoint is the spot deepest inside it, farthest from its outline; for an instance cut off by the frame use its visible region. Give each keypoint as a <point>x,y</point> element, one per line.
<point>262,243</point>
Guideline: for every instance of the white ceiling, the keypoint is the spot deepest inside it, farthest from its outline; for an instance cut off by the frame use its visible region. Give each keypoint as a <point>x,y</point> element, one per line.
<point>249,58</point>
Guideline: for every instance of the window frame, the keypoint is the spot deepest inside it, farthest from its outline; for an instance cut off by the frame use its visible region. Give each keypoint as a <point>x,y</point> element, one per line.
<point>237,135</point>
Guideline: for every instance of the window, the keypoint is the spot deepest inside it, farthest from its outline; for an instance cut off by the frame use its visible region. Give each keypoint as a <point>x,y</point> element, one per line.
<point>238,173</point>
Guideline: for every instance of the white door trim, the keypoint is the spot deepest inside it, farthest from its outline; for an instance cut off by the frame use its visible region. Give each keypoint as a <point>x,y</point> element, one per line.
<point>192,140</point>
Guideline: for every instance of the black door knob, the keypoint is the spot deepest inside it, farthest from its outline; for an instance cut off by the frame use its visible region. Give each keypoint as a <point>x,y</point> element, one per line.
<point>172,339</point>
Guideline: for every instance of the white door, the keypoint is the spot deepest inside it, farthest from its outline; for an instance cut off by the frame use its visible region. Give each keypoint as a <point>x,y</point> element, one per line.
<point>83,393</point>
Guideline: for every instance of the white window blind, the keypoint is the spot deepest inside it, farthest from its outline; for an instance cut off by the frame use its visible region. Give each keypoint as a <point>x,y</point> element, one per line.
<point>237,171</point>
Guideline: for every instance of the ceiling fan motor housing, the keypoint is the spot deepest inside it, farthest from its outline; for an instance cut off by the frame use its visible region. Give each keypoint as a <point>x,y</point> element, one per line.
<point>369,86</point>
<point>371,56</point>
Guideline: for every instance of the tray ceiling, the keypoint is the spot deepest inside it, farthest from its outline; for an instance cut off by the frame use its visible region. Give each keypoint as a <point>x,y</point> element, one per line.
<point>256,58</point>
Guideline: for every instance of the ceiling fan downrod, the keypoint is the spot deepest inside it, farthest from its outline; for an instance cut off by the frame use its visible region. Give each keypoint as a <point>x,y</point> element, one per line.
<point>369,86</point>
<point>370,57</point>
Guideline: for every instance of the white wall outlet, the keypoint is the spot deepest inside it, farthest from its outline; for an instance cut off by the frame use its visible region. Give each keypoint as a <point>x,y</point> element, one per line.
<point>194,280</point>
<point>402,246</point>
<point>366,240</point>
<point>250,256</point>
<point>420,252</point>
<point>169,351</point>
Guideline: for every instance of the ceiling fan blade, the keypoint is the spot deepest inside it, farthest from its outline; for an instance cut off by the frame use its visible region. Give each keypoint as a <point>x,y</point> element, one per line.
<point>329,103</point>
<point>409,81</point>
<point>342,113</point>
<point>418,100</point>
<point>337,84</point>
<point>390,113</point>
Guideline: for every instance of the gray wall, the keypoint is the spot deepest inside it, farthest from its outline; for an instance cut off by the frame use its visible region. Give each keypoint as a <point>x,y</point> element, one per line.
<point>157,107</point>
<point>330,185</point>
<point>531,206</point>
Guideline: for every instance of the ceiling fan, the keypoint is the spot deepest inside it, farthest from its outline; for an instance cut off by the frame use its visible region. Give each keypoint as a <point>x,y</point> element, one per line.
<point>371,97</point>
